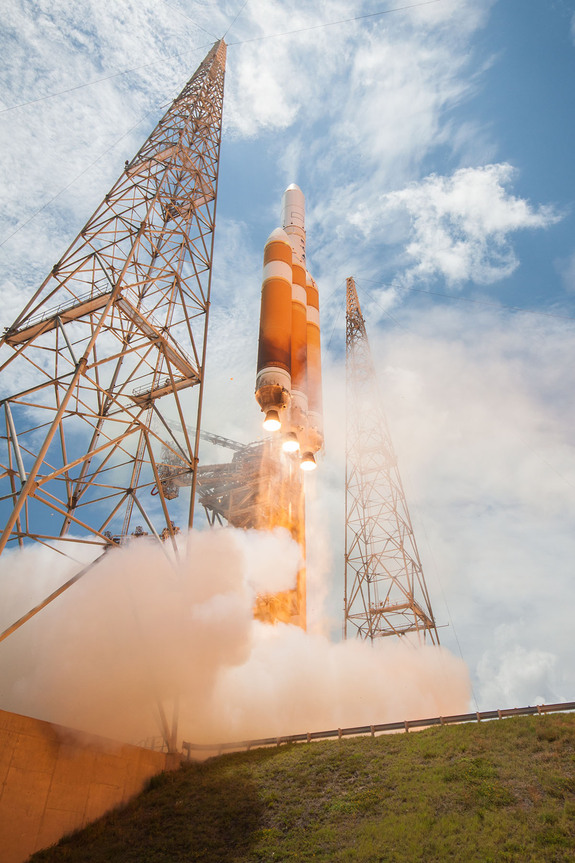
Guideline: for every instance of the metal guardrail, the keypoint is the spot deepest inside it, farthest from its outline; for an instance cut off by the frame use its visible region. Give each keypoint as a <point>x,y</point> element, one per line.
<point>64,306</point>
<point>406,725</point>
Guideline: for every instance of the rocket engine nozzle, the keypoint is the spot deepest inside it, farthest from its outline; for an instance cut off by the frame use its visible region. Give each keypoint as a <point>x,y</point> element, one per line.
<point>291,442</point>
<point>308,461</point>
<point>272,421</point>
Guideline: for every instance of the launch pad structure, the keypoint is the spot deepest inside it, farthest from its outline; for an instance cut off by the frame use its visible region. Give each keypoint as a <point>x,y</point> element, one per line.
<point>385,589</point>
<point>113,340</point>
<point>261,488</point>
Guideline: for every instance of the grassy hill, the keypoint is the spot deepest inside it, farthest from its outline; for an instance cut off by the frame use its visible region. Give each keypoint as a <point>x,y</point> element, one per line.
<point>496,791</point>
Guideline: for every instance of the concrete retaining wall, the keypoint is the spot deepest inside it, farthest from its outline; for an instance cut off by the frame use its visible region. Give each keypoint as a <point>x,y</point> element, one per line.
<point>54,780</point>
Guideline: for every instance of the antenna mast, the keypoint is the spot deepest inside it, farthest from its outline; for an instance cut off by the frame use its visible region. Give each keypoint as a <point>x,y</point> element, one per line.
<point>385,591</point>
<point>114,338</point>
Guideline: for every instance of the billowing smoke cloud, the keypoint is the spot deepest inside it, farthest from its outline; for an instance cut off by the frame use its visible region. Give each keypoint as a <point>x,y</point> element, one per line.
<point>142,628</point>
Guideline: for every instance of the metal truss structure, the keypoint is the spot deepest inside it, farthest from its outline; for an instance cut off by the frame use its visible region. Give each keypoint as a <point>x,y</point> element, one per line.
<point>229,492</point>
<point>385,590</point>
<point>114,342</point>
<point>261,488</point>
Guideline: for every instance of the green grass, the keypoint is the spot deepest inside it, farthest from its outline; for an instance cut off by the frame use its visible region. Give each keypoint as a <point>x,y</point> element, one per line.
<point>491,793</point>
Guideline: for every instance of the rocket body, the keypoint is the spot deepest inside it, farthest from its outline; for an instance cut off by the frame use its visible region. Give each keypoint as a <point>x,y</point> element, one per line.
<point>288,381</point>
<point>273,381</point>
<point>288,391</point>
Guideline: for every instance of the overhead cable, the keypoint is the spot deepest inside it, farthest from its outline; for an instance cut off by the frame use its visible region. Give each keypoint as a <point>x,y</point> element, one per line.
<point>77,177</point>
<point>235,19</point>
<point>203,47</point>
<point>105,78</point>
<point>335,23</point>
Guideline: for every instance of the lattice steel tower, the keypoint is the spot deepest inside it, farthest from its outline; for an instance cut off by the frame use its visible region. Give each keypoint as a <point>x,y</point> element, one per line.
<point>385,591</point>
<point>114,342</point>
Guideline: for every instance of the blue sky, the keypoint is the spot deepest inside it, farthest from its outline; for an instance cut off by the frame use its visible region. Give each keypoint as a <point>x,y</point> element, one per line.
<point>434,146</point>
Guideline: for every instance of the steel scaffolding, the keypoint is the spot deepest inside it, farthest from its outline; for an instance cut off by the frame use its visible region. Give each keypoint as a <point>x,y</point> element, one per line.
<point>385,590</point>
<point>114,339</point>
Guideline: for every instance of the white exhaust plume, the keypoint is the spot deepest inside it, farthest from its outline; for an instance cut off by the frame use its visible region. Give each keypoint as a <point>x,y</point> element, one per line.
<point>139,629</point>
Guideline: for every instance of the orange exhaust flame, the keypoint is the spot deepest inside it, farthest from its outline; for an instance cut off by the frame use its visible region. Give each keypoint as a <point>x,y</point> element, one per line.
<point>281,504</point>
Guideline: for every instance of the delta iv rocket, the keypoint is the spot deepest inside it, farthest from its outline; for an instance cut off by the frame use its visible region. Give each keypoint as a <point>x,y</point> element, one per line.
<point>288,382</point>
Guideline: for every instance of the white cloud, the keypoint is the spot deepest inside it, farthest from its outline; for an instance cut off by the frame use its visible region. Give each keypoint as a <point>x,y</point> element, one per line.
<point>476,403</point>
<point>455,228</point>
<point>390,81</point>
<point>516,674</point>
<point>461,225</point>
<point>483,429</point>
<point>297,67</point>
<point>73,145</point>
<point>398,91</point>
<point>389,115</point>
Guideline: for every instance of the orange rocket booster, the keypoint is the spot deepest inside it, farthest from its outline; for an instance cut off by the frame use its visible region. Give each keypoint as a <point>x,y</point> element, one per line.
<point>288,383</point>
<point>273,382</point>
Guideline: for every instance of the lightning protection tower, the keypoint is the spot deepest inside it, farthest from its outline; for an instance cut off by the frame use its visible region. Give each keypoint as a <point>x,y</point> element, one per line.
<point>114,338</point>
<point>385,591</point>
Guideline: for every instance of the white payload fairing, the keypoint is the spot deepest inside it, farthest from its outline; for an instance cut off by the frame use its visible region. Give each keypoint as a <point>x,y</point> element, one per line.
<point>288,382</point>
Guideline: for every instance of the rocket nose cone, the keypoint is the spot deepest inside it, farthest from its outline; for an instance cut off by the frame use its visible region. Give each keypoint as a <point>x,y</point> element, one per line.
<point>278,234</point>
<point>293,209</point>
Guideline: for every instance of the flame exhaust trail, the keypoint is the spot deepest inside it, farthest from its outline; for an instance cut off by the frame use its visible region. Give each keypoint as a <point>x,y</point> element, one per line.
<point>288,391</point>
